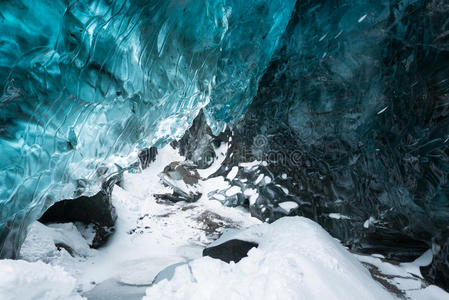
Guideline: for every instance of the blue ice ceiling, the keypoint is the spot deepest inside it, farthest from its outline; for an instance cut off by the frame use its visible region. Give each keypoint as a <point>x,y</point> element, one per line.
<point>85,82</point>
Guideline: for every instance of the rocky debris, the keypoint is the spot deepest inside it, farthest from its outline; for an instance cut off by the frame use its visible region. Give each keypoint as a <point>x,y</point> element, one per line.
<point>147,156</point>
<point>183,178</point>
<point>97,210</point>
<point>174,197</point>
<point>213,223</point>
<point>385,280</point>
<point>232,250</point>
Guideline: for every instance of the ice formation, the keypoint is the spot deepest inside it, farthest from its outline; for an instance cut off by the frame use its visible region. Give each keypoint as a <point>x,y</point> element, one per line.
<point>88,80</point>
<point>344,105</point>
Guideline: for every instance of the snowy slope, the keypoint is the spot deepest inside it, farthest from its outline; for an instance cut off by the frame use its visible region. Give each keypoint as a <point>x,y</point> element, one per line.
<point>296,259</point>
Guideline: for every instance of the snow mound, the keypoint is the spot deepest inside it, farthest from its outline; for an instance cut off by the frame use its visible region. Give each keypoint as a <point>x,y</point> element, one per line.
<point>24,280</point>
<point>296,259</point>
<point>41,241</point>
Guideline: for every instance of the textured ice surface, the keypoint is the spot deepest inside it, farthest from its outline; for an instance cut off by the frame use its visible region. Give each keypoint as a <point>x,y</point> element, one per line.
<point>84,81</point>
<point>354,110</point>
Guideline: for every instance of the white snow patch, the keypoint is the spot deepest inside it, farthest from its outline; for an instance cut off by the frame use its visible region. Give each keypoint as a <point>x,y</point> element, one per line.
<point>296,259</point>
<point>233,191</point>
<point>21,280</point>
<point>407,276</point>
<point>267,180</point>
<point>231,175</point>
<point>338,216</point>
<point>220,154</point>
<point>369,222</point>
<point>250,165</point>
<point>259,179</point>
<point>288,206</point>
<point>253,195</point>
<point>432,292</point>
<point>41,239</point>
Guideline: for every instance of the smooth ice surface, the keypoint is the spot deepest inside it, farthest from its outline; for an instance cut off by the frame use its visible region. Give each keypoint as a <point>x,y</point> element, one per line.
<point>88,80</point>
<point>296,259</point>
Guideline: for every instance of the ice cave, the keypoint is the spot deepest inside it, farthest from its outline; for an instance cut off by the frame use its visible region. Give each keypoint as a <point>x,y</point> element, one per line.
<point>224,149</point>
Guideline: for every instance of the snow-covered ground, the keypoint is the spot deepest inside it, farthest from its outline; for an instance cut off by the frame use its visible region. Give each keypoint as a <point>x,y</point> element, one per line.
<point>296,258</point>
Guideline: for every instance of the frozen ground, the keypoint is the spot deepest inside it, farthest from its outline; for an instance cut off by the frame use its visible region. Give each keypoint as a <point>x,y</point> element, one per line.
<point>296,259</point>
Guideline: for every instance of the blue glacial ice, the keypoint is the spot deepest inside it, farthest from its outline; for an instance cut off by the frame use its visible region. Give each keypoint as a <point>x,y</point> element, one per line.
<point>85,84</point>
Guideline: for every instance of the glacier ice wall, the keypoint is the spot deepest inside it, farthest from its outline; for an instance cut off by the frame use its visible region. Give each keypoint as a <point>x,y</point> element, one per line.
<point>87,82</point>
<point>354,107</point>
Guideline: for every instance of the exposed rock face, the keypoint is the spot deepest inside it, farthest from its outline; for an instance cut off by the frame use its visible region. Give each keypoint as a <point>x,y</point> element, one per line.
<point>438,271</point>
<point>232,250</point>
<point>183,178</point>
<point>147,156</point>
<point>196,144</point>
<point>97,210</point>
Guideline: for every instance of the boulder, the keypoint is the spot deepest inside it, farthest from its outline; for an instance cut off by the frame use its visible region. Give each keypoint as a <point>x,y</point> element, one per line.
<point>232,250</point>
<point>183,178</point>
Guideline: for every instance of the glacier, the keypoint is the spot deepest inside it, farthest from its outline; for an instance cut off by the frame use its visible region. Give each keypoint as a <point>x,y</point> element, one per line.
<point>344,101</point>
<point>85,84</point>
<point>354,109</point>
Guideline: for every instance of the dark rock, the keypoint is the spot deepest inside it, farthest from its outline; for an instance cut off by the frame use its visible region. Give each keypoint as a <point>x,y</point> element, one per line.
<point>183,178</point>
<point>196,144</point>
<point>60,246</point>
<point>147,156</point>
<point>232,250</point>
<point>438,271</point>
<point>174,197</point>
<point>182,171</point>
<point>97,210</point>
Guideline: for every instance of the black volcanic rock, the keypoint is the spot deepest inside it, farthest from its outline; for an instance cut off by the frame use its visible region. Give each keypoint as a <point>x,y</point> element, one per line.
<point>232,250</point>
<point>147,156</point>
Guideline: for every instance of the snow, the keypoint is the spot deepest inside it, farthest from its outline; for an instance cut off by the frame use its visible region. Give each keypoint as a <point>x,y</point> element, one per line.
<point>406,276</point>
<point>35,280</point>
<point>231,175</point>
<point>250,165</point>
<point>338,216</point>
<point>267,179</point>
<point>369,222</point>
<point>149,235</point>
<point>220,154</point>
<point>431,292</point>
<point>288,206</point>
<point>296,259</point>
<point>233,191</point>
<point>253,195</point>
<point>258,179</point>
